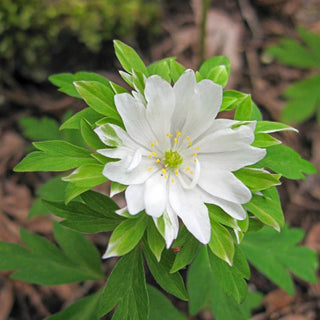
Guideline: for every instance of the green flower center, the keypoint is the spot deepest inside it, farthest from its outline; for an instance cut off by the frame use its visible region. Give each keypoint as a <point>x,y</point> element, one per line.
<point>172,159</point>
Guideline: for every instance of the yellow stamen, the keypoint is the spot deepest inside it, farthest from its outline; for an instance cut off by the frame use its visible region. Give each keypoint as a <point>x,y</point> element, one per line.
<point>188,138</point>
<point>149,155</point>
<point>191,172</point>
<point>153,153</point>
<point>194,160</point>
<point>151,145</point>
<point>150,168</point>
<point>197,148</point>
<point>176,172</point>
<point>168,134</point>
<point>164,171</point>
<point>178,133</point>
<point>195,154</point>
<point>175,140</point>
<point>187,168</point>
<point>172,180</point>
<point>190,143</point>
<point>166,177</point>
<point>155,142</point>
<point>158,160</point>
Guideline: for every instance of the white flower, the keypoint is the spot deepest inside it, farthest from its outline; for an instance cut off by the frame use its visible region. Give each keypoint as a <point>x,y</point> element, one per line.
<point>175,156</point>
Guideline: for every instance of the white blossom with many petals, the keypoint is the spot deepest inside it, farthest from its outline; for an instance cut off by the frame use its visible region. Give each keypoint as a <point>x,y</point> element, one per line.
<point>175,156</point>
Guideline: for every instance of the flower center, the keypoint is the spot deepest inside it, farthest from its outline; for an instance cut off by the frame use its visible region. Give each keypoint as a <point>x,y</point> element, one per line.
<point>172,159</point>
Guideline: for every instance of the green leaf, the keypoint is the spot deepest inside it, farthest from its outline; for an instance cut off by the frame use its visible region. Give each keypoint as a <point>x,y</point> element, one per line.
<point>204,286</point>
<point>171,282</point>
<point>89,136</point>
<point>88,175</point>
<point>99,97</point>
<point>45,264</point>
<point>161,68</point>
<point>116,188</point>
<point>218,61</point>
<point>81,217</point>
<point>293,53</point>
<point>155,240</point>
<point>55,156</point>
<point>257,179</point>
<point>304,100</point>
<point>187,253</point>
<point>221,242</point>
<point>73,191</point>
<point>219,75</point>
<point>39,129</point>
<point>126,288</point>
<point>231,278</point>
<point>272,126</point>
<point>83,309</point>
<point>222,217</point>
<point>274,253</point>
<point>53,190</point>
<point>128,58</point>
<point>126,236</point>
<point>231,99</point>
<point>264,140</point>
<point>65,81</point>
<point>199,281</point>
<point>176,70</point>
<point>244,109</point>
<point>267,209</point>
<point>224,307</point>
<point>285,161</point>
<point>87,114</point>
<point>161,308</point>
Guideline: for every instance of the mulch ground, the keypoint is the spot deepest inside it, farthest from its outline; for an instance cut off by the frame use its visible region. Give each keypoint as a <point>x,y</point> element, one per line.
<point>239,29</point>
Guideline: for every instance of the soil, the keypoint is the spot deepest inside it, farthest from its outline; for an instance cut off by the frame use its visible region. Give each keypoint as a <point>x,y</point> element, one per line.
<point>239,29</point>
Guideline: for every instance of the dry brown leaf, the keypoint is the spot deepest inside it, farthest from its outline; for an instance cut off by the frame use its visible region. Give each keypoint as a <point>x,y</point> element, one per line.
<point>294,317</point>
<point>313,238</point>
<point>277,300</point>
<point>6,297</point>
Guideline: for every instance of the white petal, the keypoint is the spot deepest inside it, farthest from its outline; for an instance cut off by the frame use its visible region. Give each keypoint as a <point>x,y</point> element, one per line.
<point>231,160</point>
<point>226,140</point>
<point>118,171</point>
<point>108,135</point>
<point>116,153</point>
<point>234,210</point>
<point>189,207</point>
<point>161,102</point>
<point>134,196</point>
<point>136,159</point>
<point>171,224</point>
<point>207,101</point>
<point>224,185</point>
<point>184,91</point>
<point>133,114</point>
<point>155,195</point>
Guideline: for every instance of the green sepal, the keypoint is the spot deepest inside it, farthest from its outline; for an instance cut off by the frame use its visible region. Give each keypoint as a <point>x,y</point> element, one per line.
<point>257,179</point>
<point>126,236</point>
<point>267,208</point>
<point>221,242</point>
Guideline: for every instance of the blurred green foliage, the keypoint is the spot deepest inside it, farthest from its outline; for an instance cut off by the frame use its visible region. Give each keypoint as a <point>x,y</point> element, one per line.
<point>31,31</point>
<point>303,96</point>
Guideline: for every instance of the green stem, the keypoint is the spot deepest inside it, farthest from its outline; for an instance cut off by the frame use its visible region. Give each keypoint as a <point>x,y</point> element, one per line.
<point>205,8</point>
